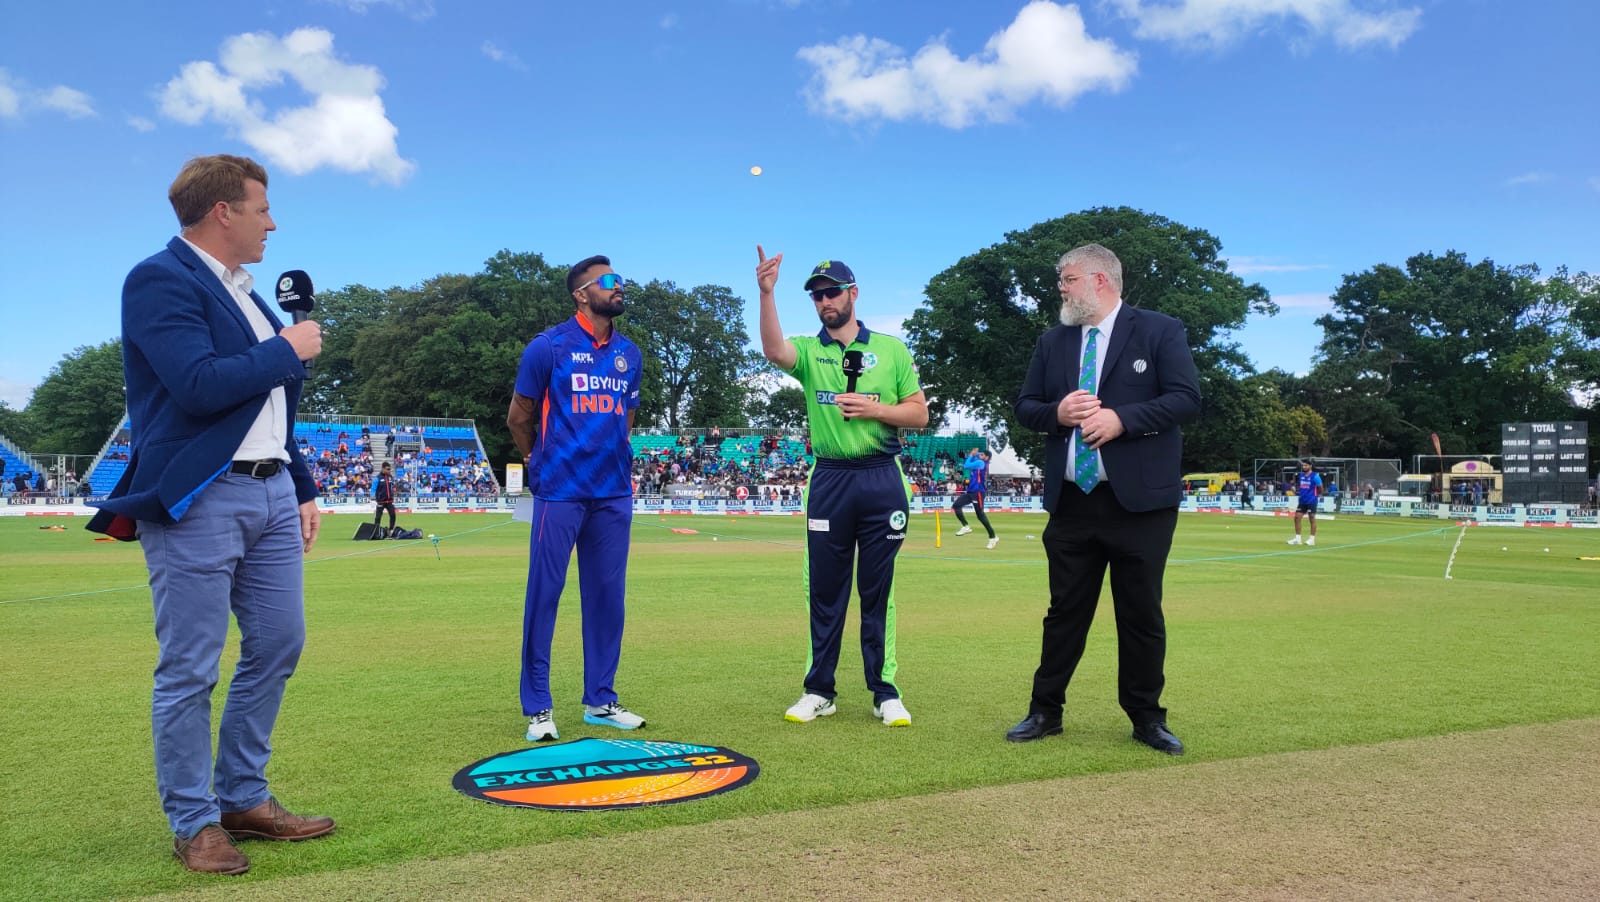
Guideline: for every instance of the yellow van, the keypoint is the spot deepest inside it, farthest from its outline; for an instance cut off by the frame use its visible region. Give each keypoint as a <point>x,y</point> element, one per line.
<point>1210,483</point>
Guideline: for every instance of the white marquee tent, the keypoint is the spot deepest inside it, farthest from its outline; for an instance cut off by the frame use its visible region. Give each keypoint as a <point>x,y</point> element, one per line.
<point>1006,464</point>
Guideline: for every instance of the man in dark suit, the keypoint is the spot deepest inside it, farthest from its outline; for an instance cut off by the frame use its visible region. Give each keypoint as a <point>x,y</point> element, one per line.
<point>1108,388</point>
<point>223,504</point>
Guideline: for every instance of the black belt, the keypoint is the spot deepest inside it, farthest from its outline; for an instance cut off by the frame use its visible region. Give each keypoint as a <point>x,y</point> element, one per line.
<point>260,469</point>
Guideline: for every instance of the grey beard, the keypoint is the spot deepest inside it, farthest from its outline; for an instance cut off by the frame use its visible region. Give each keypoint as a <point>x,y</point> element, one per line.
<point>1078,313</point>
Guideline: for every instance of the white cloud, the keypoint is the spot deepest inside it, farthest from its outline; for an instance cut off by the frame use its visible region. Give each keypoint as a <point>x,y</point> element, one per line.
<point>1527,178</point>
<point>344,127</point>
<point>504,57</point>
<point>70,101</point>
<point>141,124</point>
<point>15,393</point>
<point>887,323</point>
<point>668,21</point>
<point>414,9</point>
<point>1219,23</point>
<point>1045,54</point>
<point>1241,266</point>
<point>1309,303</point>
<point>18,98</point>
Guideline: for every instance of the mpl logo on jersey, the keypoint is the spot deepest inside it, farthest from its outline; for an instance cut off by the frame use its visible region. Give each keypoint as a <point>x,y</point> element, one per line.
<point>604,774</point>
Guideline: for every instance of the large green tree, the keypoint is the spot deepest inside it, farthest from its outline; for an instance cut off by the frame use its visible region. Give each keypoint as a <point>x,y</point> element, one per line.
<point>1451,347</point>
<point>450,347</point>
<point>16,426</point>
<point>694,345</point>
<point>343,313</point>
<point>973,337</point>
<point>78,404</point>
<point>784,409</point>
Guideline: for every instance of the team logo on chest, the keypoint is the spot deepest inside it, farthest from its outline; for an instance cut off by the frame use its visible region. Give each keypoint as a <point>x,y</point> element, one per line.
<point>621,363</point>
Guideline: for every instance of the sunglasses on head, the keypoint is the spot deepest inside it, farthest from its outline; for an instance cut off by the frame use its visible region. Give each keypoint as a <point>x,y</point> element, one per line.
<point>608,281</point>
<point>830,292</point>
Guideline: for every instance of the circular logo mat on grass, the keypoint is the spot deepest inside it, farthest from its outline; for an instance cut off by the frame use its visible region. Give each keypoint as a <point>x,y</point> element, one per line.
<point>600,774</point>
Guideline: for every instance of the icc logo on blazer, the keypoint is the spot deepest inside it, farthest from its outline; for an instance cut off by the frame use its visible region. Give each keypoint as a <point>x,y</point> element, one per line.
<point>1140,366</point>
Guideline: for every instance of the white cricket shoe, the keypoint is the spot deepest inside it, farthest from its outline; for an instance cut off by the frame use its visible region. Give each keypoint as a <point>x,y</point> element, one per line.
<point>963,530</point>
<point>1294,541</point>
<point>612,715</point>
<point>809,708</point>
<point>542,726</point>
<point>1311,541</point>
<point>894,713</point>
<point>993,542</point>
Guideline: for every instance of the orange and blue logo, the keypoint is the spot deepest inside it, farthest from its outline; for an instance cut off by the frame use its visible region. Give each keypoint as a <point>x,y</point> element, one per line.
<point>602,774</point>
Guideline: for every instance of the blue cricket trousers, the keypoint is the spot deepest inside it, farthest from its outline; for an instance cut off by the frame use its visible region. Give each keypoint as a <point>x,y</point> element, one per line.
<point>598,528</point>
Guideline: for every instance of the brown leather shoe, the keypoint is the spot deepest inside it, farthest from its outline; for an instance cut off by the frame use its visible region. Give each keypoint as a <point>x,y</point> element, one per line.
<point>210,851</point>
<point>270,820</point>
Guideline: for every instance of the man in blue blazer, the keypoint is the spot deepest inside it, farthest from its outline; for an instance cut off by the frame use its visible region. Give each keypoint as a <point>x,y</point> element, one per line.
<point>223,504</point>
<point>1108,388</point>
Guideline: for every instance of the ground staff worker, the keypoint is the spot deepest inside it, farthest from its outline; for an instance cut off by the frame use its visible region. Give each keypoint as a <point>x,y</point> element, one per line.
<point>857,497</point>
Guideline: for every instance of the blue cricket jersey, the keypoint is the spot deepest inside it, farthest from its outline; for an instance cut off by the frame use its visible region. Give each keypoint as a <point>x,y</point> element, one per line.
<point>976,471</point>
<point>1307,485</point>
<point>583,390</point>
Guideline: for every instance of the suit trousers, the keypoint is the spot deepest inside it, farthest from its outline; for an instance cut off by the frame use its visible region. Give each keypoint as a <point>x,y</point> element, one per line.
<point>1088,533</point>
<point>238,548</point>
<point>599,529</point>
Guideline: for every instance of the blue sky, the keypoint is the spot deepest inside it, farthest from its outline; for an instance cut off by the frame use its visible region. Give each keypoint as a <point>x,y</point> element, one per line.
<point>410,138</point>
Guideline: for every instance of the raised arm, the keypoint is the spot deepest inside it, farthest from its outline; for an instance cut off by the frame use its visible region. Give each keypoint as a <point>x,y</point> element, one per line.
<point>774,346</point>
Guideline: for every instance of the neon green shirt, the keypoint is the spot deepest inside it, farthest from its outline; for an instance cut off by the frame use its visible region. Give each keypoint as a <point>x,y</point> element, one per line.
<point>887,376</point>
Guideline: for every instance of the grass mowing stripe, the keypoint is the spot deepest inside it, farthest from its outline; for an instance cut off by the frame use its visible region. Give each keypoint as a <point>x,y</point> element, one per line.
<point>411,667</point>
<point>1411,819</point>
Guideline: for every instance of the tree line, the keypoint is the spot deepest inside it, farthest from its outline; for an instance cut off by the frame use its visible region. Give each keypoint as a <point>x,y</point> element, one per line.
<point>1441,345</point>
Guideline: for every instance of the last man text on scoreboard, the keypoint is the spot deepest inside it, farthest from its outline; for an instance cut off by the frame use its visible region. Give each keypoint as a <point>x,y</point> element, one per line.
<point>1546,461</point>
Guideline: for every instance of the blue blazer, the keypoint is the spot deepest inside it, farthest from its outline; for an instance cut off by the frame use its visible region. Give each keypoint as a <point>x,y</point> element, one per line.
<point>196,379</point>
<point>1148,378</point>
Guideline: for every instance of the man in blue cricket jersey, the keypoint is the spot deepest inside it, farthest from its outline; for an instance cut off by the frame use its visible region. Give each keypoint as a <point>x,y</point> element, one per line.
<point>1308,485</point>
<point>576,393</point>
<point>976,466</point>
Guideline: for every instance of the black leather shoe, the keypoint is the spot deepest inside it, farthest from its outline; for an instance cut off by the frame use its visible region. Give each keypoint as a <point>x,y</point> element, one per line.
<point>1157,736</point>
<point>1034,726</point>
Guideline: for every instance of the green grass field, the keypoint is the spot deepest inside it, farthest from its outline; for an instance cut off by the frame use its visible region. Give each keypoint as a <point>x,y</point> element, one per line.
<point>411,669</point>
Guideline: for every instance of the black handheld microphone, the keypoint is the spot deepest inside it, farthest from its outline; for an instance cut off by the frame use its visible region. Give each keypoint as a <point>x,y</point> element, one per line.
<point>295,297</point>
<point>852,368</point>
<point>294,294</point>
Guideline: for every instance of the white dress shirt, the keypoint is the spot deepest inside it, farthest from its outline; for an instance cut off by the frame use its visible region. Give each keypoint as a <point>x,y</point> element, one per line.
<point>1102,343</point>
<point>269,433</point>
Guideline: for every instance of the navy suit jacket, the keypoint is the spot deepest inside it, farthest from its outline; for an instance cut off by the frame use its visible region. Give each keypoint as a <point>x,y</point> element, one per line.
<point>1148,378</point>
<point>196,380</point>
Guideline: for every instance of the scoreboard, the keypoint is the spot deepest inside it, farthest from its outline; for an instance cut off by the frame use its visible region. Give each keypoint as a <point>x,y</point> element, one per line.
<point>1546,461</point>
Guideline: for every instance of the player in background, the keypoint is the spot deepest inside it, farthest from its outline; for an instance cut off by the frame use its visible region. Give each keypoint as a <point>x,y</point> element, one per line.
<point>976,466</point>
<point>1308,486</point>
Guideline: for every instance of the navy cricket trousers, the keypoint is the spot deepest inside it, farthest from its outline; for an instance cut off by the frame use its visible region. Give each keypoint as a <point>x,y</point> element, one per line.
<point>851,506</point>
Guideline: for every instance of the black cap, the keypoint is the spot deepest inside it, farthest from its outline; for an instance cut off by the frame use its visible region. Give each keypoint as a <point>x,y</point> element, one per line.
<point>575,274</point>
<point>833,271</point>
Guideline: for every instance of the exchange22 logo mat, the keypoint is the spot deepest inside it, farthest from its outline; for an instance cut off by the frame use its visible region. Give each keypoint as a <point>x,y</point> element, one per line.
<point>602,774</point>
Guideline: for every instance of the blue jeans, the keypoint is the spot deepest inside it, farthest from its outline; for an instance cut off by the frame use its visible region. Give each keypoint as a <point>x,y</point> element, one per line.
<point>237,548</point>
